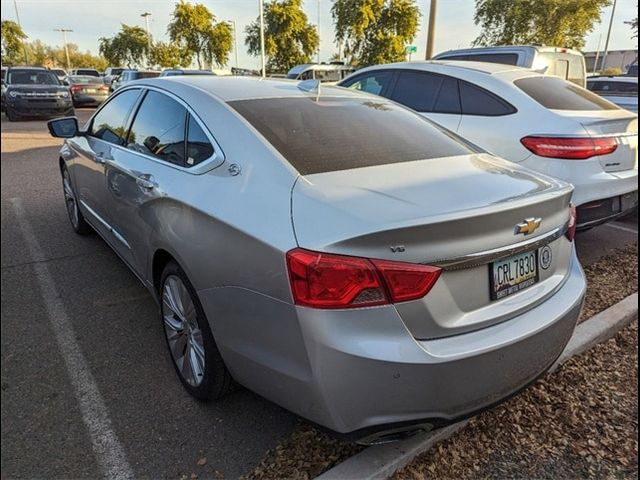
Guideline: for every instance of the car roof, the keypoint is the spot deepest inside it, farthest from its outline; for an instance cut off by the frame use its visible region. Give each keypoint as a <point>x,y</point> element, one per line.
<point>230,88</point>
<point>28,68</point>
<point>509,48</point>
<point>460,65</point>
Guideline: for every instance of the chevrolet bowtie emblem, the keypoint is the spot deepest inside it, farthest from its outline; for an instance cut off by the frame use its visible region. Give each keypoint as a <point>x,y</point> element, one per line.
<point>529,226</point>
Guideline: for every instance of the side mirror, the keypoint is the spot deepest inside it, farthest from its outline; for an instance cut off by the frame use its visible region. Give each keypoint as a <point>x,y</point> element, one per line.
<point>65,82</point>
<point>66,127</point>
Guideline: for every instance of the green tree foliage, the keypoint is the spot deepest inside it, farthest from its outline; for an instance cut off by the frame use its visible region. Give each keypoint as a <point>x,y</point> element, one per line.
<point>375,31</point>
<point>195,30</point>
<point>128,47</point>
<point>289,39</point>
<point>12,42</point>
<point>169,55</point>
<point>41,54</point>
<point>562,23</point>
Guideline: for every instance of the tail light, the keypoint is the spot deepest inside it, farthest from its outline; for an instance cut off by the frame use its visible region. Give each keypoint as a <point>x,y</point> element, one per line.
<point>576,148</point>
<point>76,88</point>
<point>323,280</point>
<point>103,87</point>
<point>573,223</point>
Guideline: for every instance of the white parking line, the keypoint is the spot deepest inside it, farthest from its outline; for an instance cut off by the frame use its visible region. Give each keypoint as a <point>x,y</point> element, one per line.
<point>620,227</point>
<point>107,448</point>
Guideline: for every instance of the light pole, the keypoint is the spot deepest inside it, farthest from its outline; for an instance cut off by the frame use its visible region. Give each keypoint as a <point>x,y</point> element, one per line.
<point>146,16</point>
<point>319,31</point>
<point>606,43</point>
<point>24,47</point>
<point>431,32</point>
<point>64,41</point>
<point>235,39</point>
<point>262,55</point>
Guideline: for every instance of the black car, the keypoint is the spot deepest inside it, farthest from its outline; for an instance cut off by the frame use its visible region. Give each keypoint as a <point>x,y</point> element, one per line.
<point>34,92</point>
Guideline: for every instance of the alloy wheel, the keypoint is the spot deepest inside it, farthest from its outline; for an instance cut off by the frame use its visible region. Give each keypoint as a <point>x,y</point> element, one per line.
<point>70,200</point>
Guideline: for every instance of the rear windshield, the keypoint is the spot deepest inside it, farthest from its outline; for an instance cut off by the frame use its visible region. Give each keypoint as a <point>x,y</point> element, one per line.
<point>605,87</point>
<point>92,73</point>
<point>558,94</point>
<point>84,79</point>
<point>338,133</point>
<point>146,74</point>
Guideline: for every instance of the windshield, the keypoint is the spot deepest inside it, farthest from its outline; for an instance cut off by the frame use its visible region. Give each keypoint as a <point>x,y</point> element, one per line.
<point>292,76</point>
<point>340,133</point>
<point>30,77</point>
<point>92,73</point>
<point>146,74</point>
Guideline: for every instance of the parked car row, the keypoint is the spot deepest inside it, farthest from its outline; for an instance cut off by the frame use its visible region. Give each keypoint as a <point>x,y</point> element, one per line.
<point>363,254</point>
<point>538,121</point>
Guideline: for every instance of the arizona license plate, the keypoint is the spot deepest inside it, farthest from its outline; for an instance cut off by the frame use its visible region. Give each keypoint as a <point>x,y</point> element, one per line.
<point>90,90</point>
<point>512,274</point>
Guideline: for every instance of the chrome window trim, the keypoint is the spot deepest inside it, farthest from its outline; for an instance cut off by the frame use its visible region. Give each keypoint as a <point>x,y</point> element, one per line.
<point>207,165</point>
<point>488,256</point>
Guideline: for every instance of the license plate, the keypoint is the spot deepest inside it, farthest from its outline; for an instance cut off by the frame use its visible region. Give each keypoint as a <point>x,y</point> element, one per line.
<point>512,274</point>
<point>90,90</point>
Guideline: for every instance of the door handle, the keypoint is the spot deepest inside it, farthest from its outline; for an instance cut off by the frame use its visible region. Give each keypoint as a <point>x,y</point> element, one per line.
<point>146,181</point>
<point>99,158</point>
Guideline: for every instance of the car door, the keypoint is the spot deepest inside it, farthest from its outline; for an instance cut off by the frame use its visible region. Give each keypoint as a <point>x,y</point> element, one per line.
<point>107,130</point>
<point>141,177</point>
<point>432,95</point>
<point>488,121</point>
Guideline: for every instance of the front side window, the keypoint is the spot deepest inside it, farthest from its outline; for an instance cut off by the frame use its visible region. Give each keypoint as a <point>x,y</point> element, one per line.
<point>374,82</point>
<point>557,94</point>
<point>110,122</point>
<point>158,129</point>
<point>478,101</point>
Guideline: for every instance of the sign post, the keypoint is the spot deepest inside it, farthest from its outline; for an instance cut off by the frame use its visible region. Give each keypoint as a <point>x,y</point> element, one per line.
<point>409,49</point>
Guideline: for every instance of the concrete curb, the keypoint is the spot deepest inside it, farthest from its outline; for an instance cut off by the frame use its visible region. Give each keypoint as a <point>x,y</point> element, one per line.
<point>381,461</point>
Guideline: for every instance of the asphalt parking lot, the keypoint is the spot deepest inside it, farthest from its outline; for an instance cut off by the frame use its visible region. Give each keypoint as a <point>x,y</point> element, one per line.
<point>162,431</point>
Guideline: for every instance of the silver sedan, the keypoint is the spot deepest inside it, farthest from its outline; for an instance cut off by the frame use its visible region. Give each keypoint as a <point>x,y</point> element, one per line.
<point>332,251</point>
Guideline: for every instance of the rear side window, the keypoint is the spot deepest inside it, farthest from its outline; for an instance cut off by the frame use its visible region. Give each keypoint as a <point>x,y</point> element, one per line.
<point>557,94</point>
<point>504,58</point>
<point>448,100</point>
<point>158,129</point>
<point>613,88</point>
<point>199,147</point>
<point>340,133</point>
<point>374,82</point>
<point>417,90</point>
<point>478,101</point>
<point>110,122</point>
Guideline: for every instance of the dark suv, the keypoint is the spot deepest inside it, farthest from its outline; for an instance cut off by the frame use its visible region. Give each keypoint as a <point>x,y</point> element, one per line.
<point>34,92</point>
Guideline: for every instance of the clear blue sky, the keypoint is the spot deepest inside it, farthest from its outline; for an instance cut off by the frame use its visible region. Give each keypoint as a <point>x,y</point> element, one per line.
<point>92,19</point>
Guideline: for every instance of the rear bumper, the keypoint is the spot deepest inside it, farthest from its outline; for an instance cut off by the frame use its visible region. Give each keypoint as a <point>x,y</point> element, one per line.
<point>590,181</point>
<point>361,370</point>
<point>89,99</point>
<point>601,211</point>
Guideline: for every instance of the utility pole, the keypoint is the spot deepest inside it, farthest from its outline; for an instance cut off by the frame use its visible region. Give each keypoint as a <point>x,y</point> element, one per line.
<point>64,41</point>
<point>595,63</point>
<point>431,32</point>
<point>318,31</point>
<point>24,47</point>
<point>235,39</point>
<point>262,54</point>
<point>606,43</point>
<point>146,16</point>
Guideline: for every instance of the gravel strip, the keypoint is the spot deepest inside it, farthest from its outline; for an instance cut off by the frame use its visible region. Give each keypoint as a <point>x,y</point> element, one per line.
<point>549,431</point>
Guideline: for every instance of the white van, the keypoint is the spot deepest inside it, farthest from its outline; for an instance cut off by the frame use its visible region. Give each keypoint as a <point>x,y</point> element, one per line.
<point>563,62</point>
<point>325,72</point>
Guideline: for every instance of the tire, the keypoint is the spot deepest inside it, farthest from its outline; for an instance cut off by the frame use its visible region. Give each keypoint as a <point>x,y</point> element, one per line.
<point>188,335</point>
<point>11,116</point>
<point>78,223</point>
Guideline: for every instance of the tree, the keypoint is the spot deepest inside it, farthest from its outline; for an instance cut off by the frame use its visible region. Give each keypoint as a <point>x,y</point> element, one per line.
<point>12,42</point>
<point>195,30</point>
<point>562,23</point>
<point>41,54</point>
<point>375,31</point>
<point>634,25</point>
<point>128,47</point>
<point>169,55</point>
<point>289,39</point>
